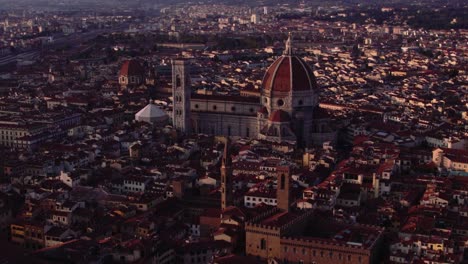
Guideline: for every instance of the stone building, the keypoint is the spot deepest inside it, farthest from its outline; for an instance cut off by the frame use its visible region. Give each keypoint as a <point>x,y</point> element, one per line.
<point>284,112</point>
<point>286,235</point>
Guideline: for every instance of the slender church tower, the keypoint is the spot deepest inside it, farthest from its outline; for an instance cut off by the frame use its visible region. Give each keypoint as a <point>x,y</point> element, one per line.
<point>226,176</point>
<point>181,95</point>
<point>282,191</point>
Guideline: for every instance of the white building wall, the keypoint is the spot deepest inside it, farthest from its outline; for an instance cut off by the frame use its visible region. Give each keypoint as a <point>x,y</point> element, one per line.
<point>252,201</point>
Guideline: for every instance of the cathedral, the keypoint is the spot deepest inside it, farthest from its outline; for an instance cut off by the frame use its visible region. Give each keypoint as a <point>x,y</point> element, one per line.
<point>287,110</point>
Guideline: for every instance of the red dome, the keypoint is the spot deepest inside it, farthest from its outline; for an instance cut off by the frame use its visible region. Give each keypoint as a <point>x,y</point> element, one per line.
<point>279,116</point>
<point>131,68</point>
<point>289,73</point>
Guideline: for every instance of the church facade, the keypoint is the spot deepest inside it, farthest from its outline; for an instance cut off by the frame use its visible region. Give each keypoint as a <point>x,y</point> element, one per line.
<point>285,111</point>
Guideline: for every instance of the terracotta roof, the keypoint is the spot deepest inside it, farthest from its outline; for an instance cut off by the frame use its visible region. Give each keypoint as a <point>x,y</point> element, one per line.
<point>279,116</point>
<point>131,67</point>
<point>289,73</point>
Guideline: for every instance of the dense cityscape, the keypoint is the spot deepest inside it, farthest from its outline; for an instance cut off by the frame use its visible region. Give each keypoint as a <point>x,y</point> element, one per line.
<point>234,132</point>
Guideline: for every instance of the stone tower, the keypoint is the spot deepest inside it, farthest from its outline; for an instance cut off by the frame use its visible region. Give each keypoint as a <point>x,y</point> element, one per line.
<point>226,176</point>
<point>181,95</point>
<point>282,191</point>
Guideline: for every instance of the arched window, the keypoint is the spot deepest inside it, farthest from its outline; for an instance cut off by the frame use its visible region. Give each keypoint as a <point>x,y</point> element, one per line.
<point>283,181</point>
<point>262,244</point>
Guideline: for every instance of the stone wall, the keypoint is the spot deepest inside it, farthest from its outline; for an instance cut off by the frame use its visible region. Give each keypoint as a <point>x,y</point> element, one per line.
<point>225,124</point>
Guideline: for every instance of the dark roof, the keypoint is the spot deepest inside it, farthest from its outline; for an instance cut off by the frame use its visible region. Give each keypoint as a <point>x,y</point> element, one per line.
<point>238,259</point>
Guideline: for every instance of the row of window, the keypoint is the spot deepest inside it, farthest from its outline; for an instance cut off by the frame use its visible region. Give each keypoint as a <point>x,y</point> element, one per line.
<point>34,234</point>
<point>132,79</point>
<point>266,200</point>
<point>350,203</point>
<point>133,188</point>
<point>267,168</point>
<point>455,165</point>
<point>233,108</point>
<point>50,238</point>
<point>322,254</point>
<point>280,102</point>
<point>60,218</point>
<point>134,183</point>
<point>16,133</point>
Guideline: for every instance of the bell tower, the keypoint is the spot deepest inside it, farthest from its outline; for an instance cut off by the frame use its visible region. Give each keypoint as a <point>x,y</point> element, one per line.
<point>226,176</point>
<point>181,95</point>
<point>282,190</point>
